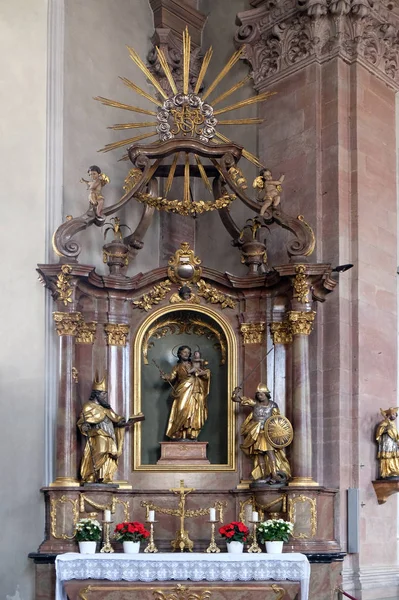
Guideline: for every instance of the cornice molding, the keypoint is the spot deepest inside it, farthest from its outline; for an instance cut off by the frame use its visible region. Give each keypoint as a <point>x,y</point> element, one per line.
<point>283,37</point>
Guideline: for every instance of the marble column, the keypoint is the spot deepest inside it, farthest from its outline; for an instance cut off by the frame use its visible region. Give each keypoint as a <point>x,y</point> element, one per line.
<point>282,340</point>
<point>117,335</point>
<point>67,326</point>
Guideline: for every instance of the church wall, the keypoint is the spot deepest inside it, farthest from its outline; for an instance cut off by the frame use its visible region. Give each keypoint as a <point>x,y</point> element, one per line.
<point>96,35</point>
<point>23,36</point>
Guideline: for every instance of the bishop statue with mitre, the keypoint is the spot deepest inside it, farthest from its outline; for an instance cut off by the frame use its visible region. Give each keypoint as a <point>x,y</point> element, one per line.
<point>105,432</point>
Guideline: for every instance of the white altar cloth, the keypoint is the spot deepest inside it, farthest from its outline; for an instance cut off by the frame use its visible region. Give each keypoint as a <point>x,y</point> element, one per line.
<point>166,566</point>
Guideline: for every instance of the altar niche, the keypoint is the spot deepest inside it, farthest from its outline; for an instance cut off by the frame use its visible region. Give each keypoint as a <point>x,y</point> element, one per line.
<point>157,341</point>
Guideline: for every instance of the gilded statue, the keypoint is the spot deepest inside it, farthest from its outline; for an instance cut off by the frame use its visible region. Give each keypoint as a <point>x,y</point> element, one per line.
<point>190,381</point>
<point>270,464</point>
<point>269,189</point>
<point>95,186</point>
<point>105,432</point>
<point>388,443</point>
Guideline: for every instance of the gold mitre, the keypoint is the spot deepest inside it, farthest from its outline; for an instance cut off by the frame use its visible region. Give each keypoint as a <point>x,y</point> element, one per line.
<point>389,411</point>
<point>262,387</point>
<point>100,386</point>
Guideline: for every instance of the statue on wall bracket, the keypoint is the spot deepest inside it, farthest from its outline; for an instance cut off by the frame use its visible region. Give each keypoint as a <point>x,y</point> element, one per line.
<point>387,437</point>
<point>105,432</point>
<point>266,433</point>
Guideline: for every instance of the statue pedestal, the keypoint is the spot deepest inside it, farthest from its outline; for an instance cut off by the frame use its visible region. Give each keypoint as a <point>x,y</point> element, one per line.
<point>183,453</point>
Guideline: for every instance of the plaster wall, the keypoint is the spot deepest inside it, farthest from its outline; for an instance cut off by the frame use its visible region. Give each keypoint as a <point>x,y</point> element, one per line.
<point>96,35</point>
<point>23,37</point>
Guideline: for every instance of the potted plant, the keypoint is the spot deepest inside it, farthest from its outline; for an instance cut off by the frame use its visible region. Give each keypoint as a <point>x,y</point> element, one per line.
<point>131,534</point>
<point>87,534</point>
<point>274,533</point>
<point>235,534</point>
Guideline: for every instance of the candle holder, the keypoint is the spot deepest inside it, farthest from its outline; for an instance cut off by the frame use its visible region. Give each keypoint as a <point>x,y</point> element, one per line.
<point>254,547</point>
<point>212,548</point>
<point>151,547</point>
<point>107,548</point>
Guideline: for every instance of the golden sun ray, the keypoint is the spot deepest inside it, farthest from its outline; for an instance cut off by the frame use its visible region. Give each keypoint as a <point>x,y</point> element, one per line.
<point>251,157</point>
<point>116,104</point>
<point>247,102</point>
<point>186,59</point>
<point>137,60</point>
<point>186,190</point>
<point>166,70</point>
<point>203,70</point>
<point>137,89</point>
<point>249,121</point>
<point>171,174</point>
<point>223,72</point>
<point>127,142</point>
<point>234,88</point>
<point>203,174</point>
<point>119,126</point>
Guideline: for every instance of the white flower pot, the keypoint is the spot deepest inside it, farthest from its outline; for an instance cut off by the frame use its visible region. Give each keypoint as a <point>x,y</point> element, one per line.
<point>274,547</point>
<point>87,547</point>
<point>235,547</point>
<point>131,547</point>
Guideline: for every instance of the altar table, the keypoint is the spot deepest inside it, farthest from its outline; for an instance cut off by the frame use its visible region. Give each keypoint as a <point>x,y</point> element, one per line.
<point>180,567</point>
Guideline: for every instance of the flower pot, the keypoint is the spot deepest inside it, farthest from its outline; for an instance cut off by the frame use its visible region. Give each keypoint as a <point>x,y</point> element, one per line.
<point>235,547</point>
<point>87,547</point>
<point>274,547</point>
<point>131,547</point>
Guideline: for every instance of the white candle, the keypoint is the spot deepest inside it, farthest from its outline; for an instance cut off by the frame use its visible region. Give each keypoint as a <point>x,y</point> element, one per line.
<point>212,514</point>
<point>255,516</point>
<point>151,515</point>
<point>107,515</point>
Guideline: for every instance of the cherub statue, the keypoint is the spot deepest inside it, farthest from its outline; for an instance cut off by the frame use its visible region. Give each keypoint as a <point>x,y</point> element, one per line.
<point>269,189</point>
<point>387,437</point>
<point>98,180</point>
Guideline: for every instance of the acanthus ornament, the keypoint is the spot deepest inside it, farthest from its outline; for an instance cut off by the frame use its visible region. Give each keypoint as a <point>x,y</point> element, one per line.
<point>253,333</point>
<point>116,333</point>
<point>301,287</point>
<point>281,332</point>
<point>301,322</point>
<point>86,332</point>
<point>213,295</point>
<point>63,285</point>
<point>278,40</point>
<point>67,323</point>
<point>154,296</point>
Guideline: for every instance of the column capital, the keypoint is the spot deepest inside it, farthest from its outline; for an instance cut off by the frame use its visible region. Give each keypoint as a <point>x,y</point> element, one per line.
<point>67,323</point>
<point>253,333</point>
<point>301,322</point>
<point>282,37</point>
<point>116,333</point>
<point>281,332</point>
<point>86,332</point>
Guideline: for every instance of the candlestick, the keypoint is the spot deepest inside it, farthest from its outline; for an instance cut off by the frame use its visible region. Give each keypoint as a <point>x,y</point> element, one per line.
<point>107,548</point>
<point>151,516</point>
<point>107,515</point>
<point>212,514</point>
<point>151,547</point>
<point>213,546</point>
<point>254,547</point>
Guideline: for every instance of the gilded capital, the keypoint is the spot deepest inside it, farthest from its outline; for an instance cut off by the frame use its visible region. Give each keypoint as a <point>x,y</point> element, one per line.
<point>301,322</point>
<point>116,333</point>
<point>281,332</point>
<point>86,332</point>
<point>67,323</point>
<point>281,37</point>
<point>253,333</point>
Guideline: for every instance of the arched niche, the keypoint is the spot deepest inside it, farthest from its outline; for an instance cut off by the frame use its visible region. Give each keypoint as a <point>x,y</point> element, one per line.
<point>157,339</point>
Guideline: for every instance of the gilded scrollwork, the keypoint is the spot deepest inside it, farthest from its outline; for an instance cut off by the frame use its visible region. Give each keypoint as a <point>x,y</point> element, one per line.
<point>253,333</point>
<point>281,332</point>
<point>67,323</point>
<point>116,333</point>
<point>300,285</point>
<point>84,499</point>
<point>292,503</point>
<point>86,333</point>
<point>181,592</point>
<point>55,504</point>
<point>63,285</point>
<point>184,267</point>
<point>301,322</point>
<point>213,295</point>
<point>154,296</point>
<point>184,324</point>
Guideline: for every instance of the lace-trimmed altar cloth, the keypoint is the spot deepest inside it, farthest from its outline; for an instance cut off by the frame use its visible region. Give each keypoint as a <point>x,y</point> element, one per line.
<point>182,567</point>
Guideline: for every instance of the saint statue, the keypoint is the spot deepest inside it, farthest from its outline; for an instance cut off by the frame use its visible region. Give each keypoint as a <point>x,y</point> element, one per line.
<point>190,383</point>
<point>388,444</point>
<point>95,186</point>
<point>270,464</point>
<point>105,432</point>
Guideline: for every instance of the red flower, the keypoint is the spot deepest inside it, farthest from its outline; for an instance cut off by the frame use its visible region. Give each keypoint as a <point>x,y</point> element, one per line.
<point>234,531</point>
